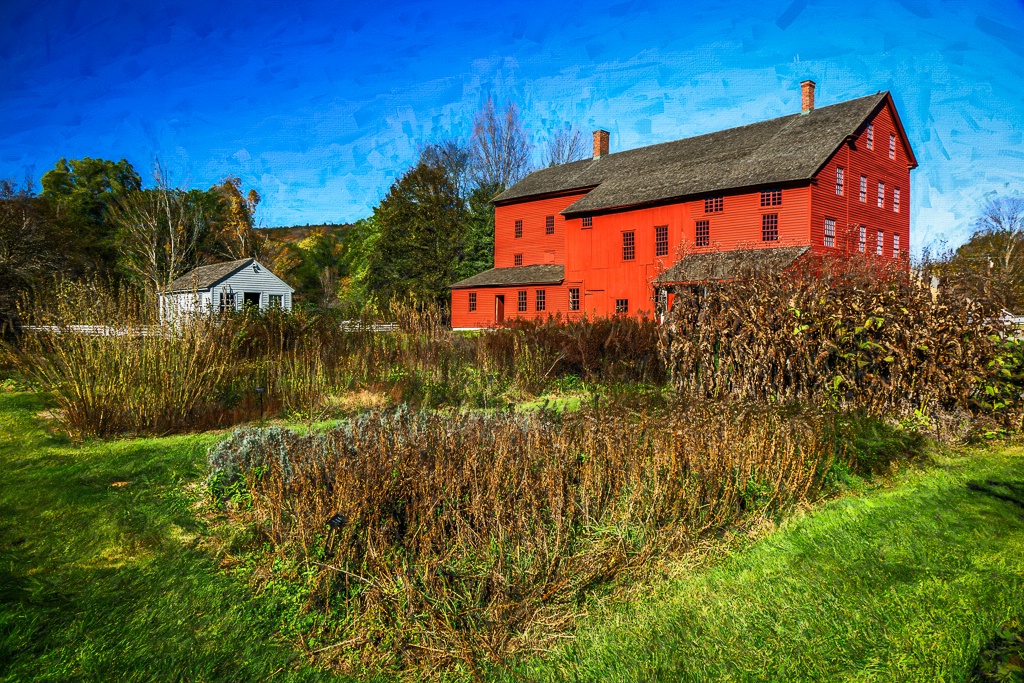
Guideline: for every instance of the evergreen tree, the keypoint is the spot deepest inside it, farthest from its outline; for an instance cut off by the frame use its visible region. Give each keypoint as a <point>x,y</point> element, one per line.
<point>422,223</point>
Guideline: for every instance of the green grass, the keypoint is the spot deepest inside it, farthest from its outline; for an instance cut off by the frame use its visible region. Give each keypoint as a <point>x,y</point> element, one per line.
<point>101,582</point>
<point>904,584</point>
<point>108,583</point>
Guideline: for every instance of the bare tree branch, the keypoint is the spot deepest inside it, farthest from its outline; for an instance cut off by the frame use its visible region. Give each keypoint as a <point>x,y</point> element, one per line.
<point>566,144</point>
<point>158,231</point>
<point>499,149</point>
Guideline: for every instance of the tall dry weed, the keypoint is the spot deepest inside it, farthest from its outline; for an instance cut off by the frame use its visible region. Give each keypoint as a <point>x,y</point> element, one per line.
<point>465,538</point>
<point>844,334</point>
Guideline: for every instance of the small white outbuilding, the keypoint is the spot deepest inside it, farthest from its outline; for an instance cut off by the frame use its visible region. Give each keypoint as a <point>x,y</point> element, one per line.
<point>224,287</point>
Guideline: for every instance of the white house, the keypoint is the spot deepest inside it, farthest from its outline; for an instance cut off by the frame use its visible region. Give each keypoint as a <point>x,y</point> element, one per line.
<point>225,287</point>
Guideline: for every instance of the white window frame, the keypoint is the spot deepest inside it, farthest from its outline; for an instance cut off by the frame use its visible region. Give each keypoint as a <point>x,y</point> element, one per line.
<point>881,195</point>
<point>862,240</point>
<point>864,189</point>
<point>871,136</point>
<point>892,145</point>
<point>881,243</point>
<point>830,232</point>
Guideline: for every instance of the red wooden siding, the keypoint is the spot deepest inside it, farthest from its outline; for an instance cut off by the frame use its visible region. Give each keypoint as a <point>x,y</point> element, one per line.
<point>848,211</point>
<point>535,245</point>
<point>556,301</point>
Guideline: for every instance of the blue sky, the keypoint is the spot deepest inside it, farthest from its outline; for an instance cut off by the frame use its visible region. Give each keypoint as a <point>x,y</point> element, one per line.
<point>319,106</point>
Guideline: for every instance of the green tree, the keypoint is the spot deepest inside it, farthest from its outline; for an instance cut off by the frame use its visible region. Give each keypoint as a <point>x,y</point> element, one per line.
<point>992,260</point>
<point>422,223</point>
<point>85,191</point>
<point>359,243</point>
<point>478,249</point>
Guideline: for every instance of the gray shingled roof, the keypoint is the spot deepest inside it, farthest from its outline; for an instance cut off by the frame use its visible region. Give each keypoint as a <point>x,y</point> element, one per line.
<point>727,265</point>
<point>545,274</point>
<point>205,277</point>
<point>787,149</point>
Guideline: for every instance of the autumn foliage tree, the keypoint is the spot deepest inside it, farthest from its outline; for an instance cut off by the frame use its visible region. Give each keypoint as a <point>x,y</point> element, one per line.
<point>232,233</point>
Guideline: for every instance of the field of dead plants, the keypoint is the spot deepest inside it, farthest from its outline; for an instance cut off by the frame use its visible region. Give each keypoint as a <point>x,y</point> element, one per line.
<point>433,527</point>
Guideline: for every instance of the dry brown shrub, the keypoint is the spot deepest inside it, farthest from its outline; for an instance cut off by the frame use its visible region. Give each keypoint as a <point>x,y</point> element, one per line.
<point>845,333</point>
<point>467,538</point>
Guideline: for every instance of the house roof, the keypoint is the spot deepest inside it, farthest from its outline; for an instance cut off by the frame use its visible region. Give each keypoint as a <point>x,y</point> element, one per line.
<point>787,149</point>
<point>205,277</point>
<point>543,274</point>
<point>728,265</point>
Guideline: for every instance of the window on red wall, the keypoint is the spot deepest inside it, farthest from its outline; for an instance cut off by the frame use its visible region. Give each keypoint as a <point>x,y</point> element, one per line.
<point>881,195</point>
<point>517,259</point>
<point>839,180</point>
<point>588,221</point>
<point>895,246</point>
<point>702,234</point>
<point>574,298</point>
<point>771,197</point>
<point>770,227</point>
<point>472,301</point>
<point>541,299</point>
<point>713,204</point>
<point>878,244</point>
<point>519,228</point>
<point>864,188</point>
<point>830,232</point>
<point>622,305</point>
<point>661,240</point>
<point>871,136</point>
<point>521,301</point>
<point>862,239</point>
<point>628,245</point>
<point>892,145</point>
<point>549,225</point>
<point>896,200</point>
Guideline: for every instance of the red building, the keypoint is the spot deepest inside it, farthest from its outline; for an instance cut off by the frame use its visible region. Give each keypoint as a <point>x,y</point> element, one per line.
<point>604,235</point>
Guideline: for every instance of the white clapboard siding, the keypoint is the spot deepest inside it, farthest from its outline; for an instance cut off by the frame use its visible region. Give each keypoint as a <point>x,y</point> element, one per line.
<point>253,278</point>
<point>249,279</point>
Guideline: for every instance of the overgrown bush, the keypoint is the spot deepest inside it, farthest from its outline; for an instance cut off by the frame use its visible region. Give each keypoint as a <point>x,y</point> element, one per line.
<point>613,349</point>
<point>847,334</point>
<point>463,538</point>
<point>114,369</point>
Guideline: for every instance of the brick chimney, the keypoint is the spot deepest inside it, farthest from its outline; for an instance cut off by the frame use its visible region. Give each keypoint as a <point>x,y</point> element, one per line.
<point>807,100</point>
<point>600,143</point>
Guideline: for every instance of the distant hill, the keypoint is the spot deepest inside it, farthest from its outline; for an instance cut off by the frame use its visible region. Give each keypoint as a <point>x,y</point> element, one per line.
<point>297,233</point>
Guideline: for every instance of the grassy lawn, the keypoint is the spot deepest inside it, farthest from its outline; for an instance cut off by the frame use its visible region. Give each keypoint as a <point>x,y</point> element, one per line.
<point>109,582</point>
<point>904,584</point>
<point>117,582</point>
